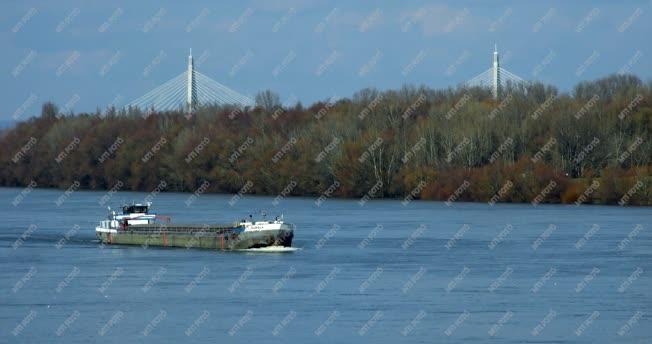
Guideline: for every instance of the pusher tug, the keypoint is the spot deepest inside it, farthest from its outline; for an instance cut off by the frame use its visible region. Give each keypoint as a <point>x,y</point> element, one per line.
<point>137,226</point>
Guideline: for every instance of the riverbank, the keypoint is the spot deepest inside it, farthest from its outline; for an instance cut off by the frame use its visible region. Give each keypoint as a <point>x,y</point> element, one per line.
<point>575,192</point>
<point>535,146</point>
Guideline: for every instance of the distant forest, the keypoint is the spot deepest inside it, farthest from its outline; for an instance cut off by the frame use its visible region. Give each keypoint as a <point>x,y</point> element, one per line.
<point>533,144</point>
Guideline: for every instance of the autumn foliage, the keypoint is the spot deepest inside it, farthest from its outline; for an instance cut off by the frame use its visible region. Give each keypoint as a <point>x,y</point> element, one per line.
<point>533,144</point>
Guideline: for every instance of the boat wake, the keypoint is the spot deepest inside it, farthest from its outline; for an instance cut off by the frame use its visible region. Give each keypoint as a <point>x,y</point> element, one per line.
<point>272,249</point>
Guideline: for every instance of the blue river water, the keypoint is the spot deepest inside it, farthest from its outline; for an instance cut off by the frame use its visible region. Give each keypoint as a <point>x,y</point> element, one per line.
<point>377,272</point>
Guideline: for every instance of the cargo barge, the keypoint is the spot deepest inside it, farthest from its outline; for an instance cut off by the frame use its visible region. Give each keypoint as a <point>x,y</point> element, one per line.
<point>137,226</point>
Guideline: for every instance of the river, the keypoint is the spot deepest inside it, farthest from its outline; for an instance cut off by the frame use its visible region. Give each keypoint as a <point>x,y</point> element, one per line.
<point>379,271</point>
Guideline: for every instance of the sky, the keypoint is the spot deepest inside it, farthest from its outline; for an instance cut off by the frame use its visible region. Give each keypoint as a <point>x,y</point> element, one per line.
<point>85,55</point>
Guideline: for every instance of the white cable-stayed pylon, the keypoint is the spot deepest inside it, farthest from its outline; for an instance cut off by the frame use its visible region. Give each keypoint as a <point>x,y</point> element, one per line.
<point>188,90</point>
<point>495,77</point>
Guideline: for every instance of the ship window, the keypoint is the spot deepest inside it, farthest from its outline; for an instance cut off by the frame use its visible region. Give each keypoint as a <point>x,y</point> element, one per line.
<point>140,209</point>
<point>134,209</point>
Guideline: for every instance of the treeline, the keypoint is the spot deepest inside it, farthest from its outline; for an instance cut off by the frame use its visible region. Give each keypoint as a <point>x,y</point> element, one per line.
<point>533,144</point>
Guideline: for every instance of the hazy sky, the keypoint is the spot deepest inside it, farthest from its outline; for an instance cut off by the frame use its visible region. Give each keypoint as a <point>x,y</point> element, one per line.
<point>92,54</point>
